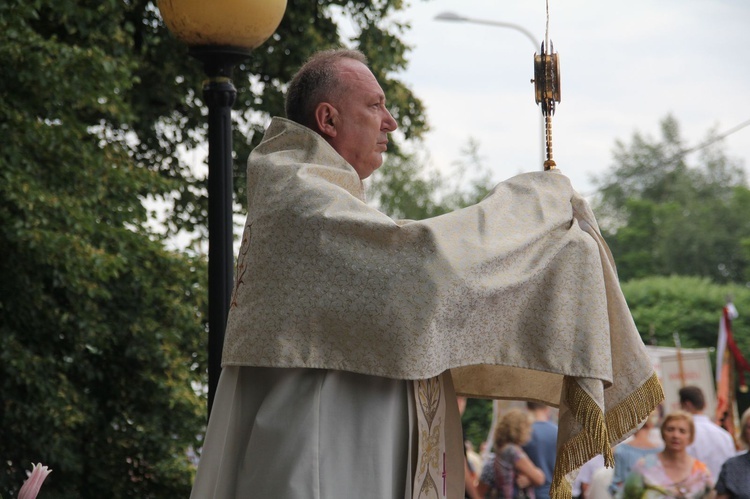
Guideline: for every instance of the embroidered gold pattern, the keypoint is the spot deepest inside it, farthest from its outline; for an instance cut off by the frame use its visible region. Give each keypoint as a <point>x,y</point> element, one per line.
<point>428,490</point>
<point>429,398</point>
<point>431,438</point>
<point>241,265</point>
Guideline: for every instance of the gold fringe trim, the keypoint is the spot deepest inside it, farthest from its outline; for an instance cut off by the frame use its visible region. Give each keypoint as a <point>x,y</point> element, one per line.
<point>632,411</point>
<point>598,431</point>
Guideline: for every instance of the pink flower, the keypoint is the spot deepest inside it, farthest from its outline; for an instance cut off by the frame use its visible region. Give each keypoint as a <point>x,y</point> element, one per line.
<point>32,484</point>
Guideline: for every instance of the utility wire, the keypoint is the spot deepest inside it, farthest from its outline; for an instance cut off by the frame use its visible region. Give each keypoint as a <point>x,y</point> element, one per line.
<point>689,150</point>
<point>715,139</point>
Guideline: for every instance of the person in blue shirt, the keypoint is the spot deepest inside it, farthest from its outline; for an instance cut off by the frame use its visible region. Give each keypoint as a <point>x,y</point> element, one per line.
<point>629,452</point>
<point>542,448</point>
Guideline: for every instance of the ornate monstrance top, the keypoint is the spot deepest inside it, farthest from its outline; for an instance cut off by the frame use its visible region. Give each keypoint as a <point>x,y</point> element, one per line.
<point>547,89</point>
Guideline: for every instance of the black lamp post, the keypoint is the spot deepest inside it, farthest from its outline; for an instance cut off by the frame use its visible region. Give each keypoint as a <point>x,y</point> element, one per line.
<point>219,94</point>
<point>221,33</point>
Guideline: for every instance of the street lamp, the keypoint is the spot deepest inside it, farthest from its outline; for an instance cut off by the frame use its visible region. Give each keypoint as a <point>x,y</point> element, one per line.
<point>220,34</point>
<point>452,16</point>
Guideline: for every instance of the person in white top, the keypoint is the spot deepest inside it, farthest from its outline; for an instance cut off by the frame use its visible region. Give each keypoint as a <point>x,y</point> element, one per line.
<point>712,444</point>
<point>586,476</point>
<point>599,486</point>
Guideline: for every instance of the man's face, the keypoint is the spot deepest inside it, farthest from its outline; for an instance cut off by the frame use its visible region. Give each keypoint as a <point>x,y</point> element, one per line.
<point>361,120</point>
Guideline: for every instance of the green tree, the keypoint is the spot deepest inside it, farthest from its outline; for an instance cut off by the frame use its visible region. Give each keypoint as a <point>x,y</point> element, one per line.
<point>688,305</point>
<point>406,188</point>
<point>663,216</point>
<point>403,189</point>
<point>101,328</point>
<point>476,421</point>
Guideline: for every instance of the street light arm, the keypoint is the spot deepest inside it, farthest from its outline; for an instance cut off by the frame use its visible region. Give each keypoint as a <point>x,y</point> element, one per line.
<point>452,16</point>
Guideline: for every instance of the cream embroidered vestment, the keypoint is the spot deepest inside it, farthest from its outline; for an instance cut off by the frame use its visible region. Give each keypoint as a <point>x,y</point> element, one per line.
<point>517,296</point>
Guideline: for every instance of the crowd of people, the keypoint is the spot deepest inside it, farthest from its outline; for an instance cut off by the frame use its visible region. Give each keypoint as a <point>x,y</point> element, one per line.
<point>682,455</point>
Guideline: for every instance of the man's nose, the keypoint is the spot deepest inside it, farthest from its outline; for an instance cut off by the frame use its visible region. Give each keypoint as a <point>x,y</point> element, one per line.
<point>389,124</point>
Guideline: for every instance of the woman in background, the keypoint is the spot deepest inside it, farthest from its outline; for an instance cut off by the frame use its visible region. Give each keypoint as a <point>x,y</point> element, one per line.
<point>672,472</point>
<point>630,451</point>
<point>511,474</point>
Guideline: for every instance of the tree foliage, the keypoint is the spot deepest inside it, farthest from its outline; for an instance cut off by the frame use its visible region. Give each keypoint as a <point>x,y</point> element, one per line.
<point>102,333</point>
<point>690,306</point>
<point>100,326</point>
<point>476,421</point>
<point>406,188</point>
<point>663,216</point>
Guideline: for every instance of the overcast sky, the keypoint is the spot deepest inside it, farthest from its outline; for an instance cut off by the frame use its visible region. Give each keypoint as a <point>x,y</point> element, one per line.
<point>624,67</point>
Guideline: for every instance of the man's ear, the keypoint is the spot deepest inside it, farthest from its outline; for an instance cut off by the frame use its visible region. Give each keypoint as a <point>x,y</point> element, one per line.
<point>326,117</point>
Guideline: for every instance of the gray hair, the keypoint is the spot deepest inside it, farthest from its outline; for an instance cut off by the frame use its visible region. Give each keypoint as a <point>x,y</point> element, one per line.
<point>315,82</point>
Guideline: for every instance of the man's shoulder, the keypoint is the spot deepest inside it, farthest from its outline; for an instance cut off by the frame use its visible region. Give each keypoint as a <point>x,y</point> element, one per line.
<point>704,423</point>
<point>712,432</point>
<point>738,463</point>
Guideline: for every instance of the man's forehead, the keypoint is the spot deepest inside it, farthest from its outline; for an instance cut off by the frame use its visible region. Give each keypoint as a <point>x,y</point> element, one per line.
<point>353,72</point>
<point>353,66</point>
